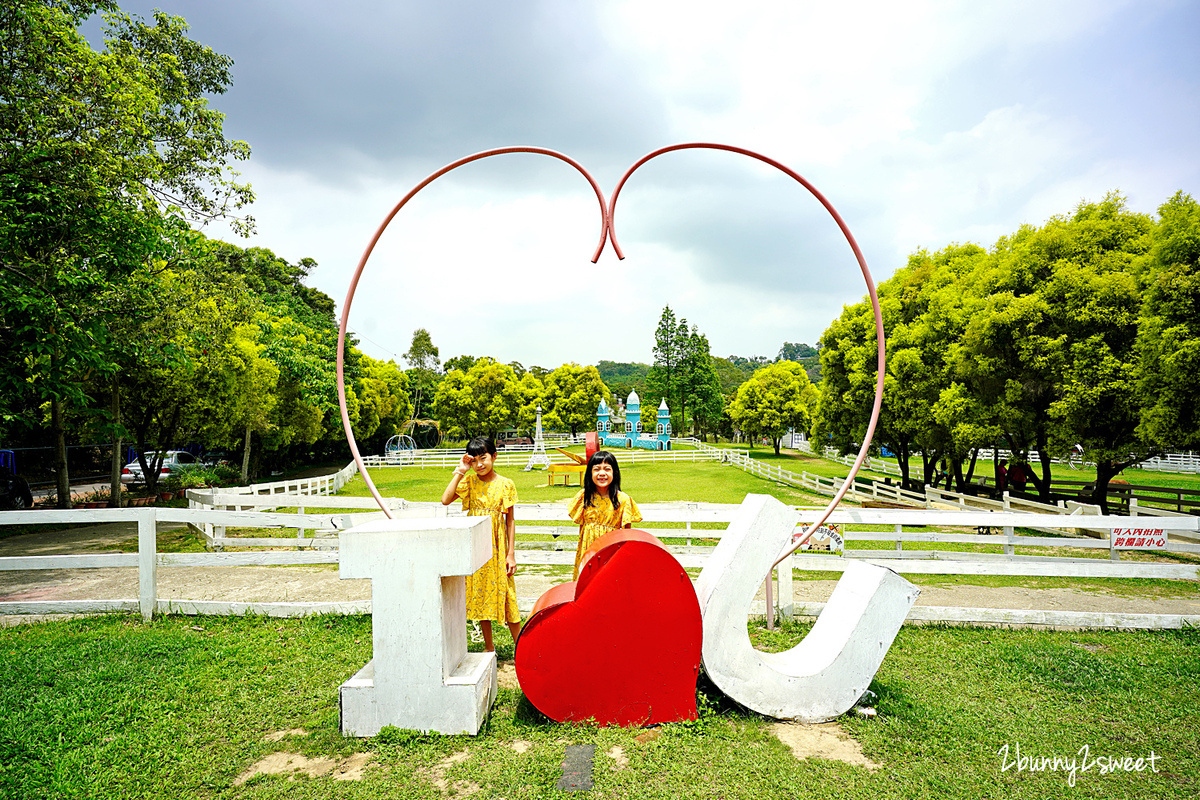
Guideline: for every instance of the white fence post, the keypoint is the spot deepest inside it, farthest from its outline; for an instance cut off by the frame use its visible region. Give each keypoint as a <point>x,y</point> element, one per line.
<point>147,562</point>
<point>1008,540</point>
<point>786,604</point>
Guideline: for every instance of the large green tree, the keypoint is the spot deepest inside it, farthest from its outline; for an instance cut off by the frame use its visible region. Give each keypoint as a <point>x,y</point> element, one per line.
<point>664,378</point>
<point>571,396</point>
<point>778,397</point>
<point>97,151</point>
<point>484,400</point>
<point>1168,344</point>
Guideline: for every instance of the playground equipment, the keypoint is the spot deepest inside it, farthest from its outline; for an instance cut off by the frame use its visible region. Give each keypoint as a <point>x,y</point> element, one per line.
<point>397,446</point>
<point>426,433</point>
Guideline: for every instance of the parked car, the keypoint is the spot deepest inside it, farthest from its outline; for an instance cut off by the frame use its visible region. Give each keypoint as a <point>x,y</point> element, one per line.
<point>219,457</point>
<point>14,491</point>
<point>511,436</point>
<point>173,461</point>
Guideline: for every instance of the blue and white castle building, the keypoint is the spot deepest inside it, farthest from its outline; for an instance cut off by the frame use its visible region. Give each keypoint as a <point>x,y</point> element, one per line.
<point>632,435</point>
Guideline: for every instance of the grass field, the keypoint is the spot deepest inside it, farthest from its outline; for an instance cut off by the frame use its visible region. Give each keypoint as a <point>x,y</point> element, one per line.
<point>703,481</point>
<point>110,707</point>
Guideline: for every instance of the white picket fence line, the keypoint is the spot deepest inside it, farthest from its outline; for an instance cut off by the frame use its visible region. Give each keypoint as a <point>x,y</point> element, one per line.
<point>321,548</point>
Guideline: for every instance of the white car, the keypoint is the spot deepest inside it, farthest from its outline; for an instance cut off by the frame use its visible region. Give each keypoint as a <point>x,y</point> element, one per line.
<point>172,461</point>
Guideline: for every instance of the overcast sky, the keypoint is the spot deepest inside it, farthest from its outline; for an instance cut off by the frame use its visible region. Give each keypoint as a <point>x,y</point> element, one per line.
<point>924,123</point>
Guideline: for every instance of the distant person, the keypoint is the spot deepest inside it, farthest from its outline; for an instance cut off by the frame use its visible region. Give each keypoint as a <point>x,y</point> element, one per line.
<point>601,506</point>
<point>491,592</point>
<point>1002,475</point>
<point>1018,475</point>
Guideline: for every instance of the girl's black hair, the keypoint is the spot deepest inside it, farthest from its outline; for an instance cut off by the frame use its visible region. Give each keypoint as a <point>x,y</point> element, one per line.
<point>480,445</point>
<point>589,486</point>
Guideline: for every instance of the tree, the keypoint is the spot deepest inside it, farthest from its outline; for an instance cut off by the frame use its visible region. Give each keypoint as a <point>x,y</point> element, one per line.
<point>532,393</point>
<point>794,352</point>
<point>1044,315</point>
<point>97,152</point>
<point>1168,343</point>
<point>776,398</point>
<point>699,385</point>
<point>572,395</point>
<point>384,403</point>
<point>670,343</point>
<point>482,401</point>
<point>422,357</point>
<point>463,363</point>
<point>623,377</point>
<point>252,394</point>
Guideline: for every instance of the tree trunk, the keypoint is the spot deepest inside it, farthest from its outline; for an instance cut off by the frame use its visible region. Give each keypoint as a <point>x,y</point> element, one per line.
<point>246,456</point>
<point>1043,486</point>
<point>927,466</point>
<point>62,479</point>
<point>902,461</point>
<point>963,481</point>
<point>1106,470</point>
<point>116,463</point>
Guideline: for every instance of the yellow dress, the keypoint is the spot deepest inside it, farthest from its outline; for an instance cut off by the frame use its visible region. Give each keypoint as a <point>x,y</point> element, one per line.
<point>491,593</point>
<point>599,518</point>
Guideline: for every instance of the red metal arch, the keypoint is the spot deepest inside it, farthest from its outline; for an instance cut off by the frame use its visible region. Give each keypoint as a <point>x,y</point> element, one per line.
<point>862,263</point>
<point>371,246</point>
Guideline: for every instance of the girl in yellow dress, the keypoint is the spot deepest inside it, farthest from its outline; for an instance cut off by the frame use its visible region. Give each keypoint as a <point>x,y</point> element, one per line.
<point>491,593</point>
<point>593,508</point>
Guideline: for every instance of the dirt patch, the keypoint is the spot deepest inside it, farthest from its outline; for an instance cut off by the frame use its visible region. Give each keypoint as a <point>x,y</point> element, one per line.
<point>619,759</point>
<point>826,740</point>
<point>519,746</point>
<point>279,735</point>
<point>506,675</point>
<point>293,764</point>
<point>352,768</point>
<point>289,764</point>
<point>437,776</point>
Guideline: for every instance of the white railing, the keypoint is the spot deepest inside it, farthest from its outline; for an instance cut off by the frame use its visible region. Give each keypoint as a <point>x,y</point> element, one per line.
<point>857,525</point>
<point>1173,462</point>
<point>318,485</point>
<point>873,464</point>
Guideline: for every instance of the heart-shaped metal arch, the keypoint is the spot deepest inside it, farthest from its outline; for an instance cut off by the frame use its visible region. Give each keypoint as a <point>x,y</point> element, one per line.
<point>607,231</point>
<point>362,262</point>
<point>862,264</point>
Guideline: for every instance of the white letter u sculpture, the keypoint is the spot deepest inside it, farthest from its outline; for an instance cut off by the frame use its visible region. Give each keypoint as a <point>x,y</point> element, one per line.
<point>824,675</point>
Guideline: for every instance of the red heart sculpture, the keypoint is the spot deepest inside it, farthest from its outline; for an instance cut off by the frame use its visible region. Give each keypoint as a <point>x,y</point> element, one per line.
<point>620,646</point>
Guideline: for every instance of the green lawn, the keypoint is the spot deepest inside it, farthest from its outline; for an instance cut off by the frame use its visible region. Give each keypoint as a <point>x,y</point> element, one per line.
<point>110,707</point>
<point>703,481</point>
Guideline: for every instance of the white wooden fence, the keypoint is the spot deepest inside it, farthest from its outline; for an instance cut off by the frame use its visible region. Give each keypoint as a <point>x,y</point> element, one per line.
<point>679,534</point>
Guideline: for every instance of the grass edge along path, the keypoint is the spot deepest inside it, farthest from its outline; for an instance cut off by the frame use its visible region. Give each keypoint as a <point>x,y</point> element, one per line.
<point>108,707</point>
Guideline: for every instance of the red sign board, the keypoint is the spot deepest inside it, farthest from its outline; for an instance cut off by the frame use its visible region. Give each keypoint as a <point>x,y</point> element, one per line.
<point>1139,539</point>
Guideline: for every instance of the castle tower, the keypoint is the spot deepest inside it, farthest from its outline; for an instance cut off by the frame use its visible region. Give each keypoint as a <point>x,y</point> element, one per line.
<point>602,415</point>
<point>633,415</point>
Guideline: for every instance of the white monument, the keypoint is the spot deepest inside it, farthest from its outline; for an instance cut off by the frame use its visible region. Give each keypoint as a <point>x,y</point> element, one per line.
<point>825,674</point>
<point>420,676</point>
<point>539,457</point>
